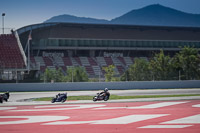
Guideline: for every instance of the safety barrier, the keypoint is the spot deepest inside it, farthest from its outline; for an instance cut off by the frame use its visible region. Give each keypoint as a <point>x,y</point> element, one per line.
<point>78,86</point>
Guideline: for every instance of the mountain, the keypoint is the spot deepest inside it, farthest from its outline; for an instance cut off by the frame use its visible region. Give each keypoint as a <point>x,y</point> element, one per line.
<point>158,15</point>
<point>74,19</point>
<point>155,15</point>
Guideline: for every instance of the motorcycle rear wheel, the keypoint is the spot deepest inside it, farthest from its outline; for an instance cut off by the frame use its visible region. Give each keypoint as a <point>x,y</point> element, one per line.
<point>106,98</point>
<point>63,100</point>
<point>94,99</point>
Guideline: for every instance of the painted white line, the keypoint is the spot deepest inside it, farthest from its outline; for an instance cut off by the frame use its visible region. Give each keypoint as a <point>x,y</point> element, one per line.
<point>119,120</point>
<point>68,122</point>
<point>195,119</point>
<point>166,126</point>
<point>111,108</point>
<point>7,108</point>
<point>32,119</point>
<point>157,105</point>
<point>149,106</point>
<point>55,107</point>
<point>128,119</point>
<point>197,105</point>
<point>79,105</point>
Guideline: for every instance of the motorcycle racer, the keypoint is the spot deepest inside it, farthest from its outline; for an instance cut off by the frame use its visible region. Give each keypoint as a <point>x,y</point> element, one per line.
<point>105,92</point>
<point>104,95</point>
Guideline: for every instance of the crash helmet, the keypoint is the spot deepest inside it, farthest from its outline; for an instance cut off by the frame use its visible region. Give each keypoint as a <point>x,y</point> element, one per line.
<point>106,89</point>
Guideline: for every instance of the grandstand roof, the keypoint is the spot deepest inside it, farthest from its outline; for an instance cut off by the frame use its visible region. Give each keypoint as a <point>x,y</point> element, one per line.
<point>107,31</point>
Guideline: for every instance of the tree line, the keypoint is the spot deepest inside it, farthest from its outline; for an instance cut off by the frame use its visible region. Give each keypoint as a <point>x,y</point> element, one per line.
<point>73,74</point>
<point>185,65</point>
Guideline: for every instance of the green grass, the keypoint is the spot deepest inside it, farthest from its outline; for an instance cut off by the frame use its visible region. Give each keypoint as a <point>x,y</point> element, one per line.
<point>114,97</point>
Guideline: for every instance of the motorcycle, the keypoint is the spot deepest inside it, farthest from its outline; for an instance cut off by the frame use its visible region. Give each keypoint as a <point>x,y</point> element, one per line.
<point>1,98</point>
<point>4,97</point>
<point>59,98</point>
<point>101,96</point>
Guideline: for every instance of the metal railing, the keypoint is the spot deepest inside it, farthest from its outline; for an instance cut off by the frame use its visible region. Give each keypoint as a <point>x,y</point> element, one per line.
<point>20,47</point>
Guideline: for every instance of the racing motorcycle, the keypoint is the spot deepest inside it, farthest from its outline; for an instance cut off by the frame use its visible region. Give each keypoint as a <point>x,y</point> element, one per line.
<point>59,98</point>
<point>1,98</point>
<point>4,97</point>
<point>101,96</point>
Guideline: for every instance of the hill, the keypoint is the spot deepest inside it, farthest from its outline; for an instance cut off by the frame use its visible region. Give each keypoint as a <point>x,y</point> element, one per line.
<point>74,19</point>
<point>156,15</point>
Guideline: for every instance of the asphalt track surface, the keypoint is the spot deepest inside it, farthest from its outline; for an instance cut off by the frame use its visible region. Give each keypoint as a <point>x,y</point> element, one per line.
<point>180,116</point>
<point>27,95</point>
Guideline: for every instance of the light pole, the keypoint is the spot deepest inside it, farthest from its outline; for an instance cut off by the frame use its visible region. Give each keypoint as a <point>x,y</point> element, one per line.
<point>3,15</point>
<point>72,74</point>
<point>99,75</point>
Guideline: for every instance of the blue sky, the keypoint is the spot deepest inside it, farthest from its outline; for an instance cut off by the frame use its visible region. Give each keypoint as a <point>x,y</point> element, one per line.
<point>20,13</point>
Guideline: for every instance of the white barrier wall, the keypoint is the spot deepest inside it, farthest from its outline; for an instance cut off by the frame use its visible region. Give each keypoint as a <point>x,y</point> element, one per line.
<point>98,85</point>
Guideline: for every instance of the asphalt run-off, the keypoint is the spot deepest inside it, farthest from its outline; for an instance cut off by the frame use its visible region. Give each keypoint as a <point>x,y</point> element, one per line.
<point>181,116</point>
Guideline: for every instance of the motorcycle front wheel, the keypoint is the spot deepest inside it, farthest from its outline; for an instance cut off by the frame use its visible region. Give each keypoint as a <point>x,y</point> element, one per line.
<point>53,100</point>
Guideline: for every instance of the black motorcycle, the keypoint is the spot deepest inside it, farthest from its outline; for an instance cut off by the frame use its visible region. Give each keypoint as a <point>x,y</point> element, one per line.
<point>101,96</point>
<point>4,97</point>
<point>1,98</point>
<point>59,98</point>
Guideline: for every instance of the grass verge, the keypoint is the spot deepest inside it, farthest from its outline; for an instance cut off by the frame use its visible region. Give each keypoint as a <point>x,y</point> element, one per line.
<point>115,97</point>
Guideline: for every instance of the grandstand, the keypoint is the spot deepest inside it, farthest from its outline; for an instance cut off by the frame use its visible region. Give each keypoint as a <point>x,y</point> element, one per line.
<point>93,46</point>
<point>12,57</point>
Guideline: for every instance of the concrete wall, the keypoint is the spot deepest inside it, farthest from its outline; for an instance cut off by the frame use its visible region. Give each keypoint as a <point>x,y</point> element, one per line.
<point>98,85</point>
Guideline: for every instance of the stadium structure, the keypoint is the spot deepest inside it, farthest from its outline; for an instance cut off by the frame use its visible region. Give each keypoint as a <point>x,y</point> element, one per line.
<point>91,46</point>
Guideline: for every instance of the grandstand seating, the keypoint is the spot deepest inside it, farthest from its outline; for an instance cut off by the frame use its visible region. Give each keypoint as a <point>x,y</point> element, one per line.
<point>74,61</point>
<point>67,61</point>
<point>89,70</point>
<point>77,59</point>
<point>101,61</point>
<point>84,61</point>
<point>92,62</point>
<point>121,59</point>
<point>128,61</point>
<point>10,54</point>
<point>108,61</point>
<point>92,65</point>
<point>58,61</point>
<point>97,70</point>
<point>48,61</point>
<point>120,69</point>
<point>40,60</point>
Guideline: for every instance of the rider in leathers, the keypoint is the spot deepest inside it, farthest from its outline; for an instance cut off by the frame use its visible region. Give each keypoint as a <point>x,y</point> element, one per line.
<point>105,93</point>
